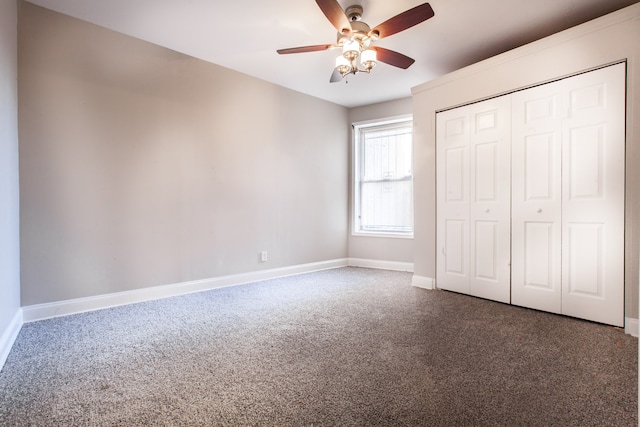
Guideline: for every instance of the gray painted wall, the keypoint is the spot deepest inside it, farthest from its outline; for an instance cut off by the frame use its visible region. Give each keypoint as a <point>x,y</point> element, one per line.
<point>9,190</point>
<point>609,39</point>
<point>140,166</point>
<point>378,248</point>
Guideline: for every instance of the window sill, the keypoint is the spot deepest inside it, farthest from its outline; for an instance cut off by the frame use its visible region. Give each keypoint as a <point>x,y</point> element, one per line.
<point>383,235</point>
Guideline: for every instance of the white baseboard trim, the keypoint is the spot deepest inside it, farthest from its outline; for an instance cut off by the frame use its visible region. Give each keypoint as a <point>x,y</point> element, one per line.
<point>37,312</point>
<point>631,326</point>
<point>423,282</point>
<point>381,265</point>
<point>9,336</point>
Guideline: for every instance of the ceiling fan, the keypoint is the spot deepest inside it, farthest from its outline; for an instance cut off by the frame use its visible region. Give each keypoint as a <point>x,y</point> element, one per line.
<point>356,38</point>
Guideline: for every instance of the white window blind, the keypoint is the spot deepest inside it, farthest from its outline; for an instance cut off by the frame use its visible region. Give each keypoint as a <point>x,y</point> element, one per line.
<point>383,177</point>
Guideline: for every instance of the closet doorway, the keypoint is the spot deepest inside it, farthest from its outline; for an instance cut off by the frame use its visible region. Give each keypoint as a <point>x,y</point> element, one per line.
<point>530,197</point>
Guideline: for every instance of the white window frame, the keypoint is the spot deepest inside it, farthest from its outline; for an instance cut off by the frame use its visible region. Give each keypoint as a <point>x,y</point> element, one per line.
<point>356,177</point>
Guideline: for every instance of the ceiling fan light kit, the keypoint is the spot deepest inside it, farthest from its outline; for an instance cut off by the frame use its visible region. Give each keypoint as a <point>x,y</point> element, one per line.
<point>355,38</point>
<point>351,51</point>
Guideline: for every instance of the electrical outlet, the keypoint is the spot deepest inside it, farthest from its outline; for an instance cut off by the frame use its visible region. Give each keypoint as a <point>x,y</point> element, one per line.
<point>263,256</point>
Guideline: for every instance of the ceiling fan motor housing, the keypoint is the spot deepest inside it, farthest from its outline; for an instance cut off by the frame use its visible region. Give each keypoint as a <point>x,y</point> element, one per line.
<point>359,29</point>
<point>354,13</point>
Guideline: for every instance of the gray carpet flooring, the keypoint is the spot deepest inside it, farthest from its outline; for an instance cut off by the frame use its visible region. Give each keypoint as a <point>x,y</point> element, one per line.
<point>349,346</point>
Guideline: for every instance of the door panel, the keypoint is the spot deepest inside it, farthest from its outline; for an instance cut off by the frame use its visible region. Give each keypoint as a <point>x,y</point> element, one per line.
<point>539,172</point>
<point>536,199</point>
<point>585,162</point>
<point>568,196</point>
<point>486,250</point>
<point>539,255</point>
<point>455,247</point>
<point>585,260</point>
<point>486,162</point>
<point>455,185</point>
<point>453,200</point>
<point>490,173</point>
<point>593,200</point>
<point>473,199</point>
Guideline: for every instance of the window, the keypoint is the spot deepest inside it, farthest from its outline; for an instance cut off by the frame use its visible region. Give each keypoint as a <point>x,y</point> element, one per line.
<point>383,177</point>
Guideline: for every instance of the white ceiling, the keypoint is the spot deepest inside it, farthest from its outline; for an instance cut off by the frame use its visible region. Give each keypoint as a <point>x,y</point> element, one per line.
<point>244,34</point>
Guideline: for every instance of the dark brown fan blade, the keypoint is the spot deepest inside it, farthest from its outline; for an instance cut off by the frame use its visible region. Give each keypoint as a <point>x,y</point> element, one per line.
<point>406,19</point>
<point>335,76</point>
<point>392,57</point>
<point>334,13</point>
<point>303,49</point>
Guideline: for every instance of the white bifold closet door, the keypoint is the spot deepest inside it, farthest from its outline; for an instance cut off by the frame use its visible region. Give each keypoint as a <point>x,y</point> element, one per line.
<point>568,185</point>
<point>473,233</point>
<point>530,197</point>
